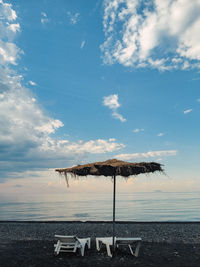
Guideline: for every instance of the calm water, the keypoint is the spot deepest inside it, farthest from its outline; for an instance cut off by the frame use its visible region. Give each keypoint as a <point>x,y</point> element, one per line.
<point>129,207</point>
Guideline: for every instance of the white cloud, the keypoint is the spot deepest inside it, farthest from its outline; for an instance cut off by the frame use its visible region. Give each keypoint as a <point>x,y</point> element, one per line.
<point>6,11</point>
<point>9,53</point>
<point>137,130</point>
<point>50,127</point>
<point>32,83</point>
<point>118,116</point>
<point>187,111</point>
<point>161,34</point>
<point>27,138</point>
<point>15,27</point>
<point>44,19</point>
<point>65,147</point>
<point>44,14</point>
<point>73,18</point>
<point>82,44</point>
<point>160,134</point>
<point>198,100</point>
<point>112,103</point>
<point>149,154</point>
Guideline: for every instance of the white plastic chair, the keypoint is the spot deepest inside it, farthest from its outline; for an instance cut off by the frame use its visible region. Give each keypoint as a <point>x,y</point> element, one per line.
<point>107,241</point>
<point>119,241</point>
<point>71,244</point>
<point>129,241</point>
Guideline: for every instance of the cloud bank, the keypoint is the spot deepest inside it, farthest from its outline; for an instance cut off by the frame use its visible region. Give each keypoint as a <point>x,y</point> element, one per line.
<point>149,154</point>
<point>160,34</point>
<point>27,133</point>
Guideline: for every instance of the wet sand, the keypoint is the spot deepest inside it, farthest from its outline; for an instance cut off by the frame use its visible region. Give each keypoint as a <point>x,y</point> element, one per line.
<point>163,244</point>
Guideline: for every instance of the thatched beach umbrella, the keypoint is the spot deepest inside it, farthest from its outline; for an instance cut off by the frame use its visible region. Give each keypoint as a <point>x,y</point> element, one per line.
<point>113,168</point>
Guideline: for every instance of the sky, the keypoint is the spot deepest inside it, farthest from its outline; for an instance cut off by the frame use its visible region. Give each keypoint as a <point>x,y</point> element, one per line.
<point>84,81</point>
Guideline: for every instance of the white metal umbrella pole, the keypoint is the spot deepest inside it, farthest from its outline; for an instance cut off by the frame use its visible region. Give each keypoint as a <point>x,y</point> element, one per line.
<point>114,193</point>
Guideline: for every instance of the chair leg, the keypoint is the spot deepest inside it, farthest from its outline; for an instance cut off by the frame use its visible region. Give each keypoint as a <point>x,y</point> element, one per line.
<point>82,250</point>
<point>75,248</point>
<point>136,249</point>
<point>98,244</point>
<point>57,248</point>
<point>108,250</point>
<point>89,242</point>
<point>131,249</point>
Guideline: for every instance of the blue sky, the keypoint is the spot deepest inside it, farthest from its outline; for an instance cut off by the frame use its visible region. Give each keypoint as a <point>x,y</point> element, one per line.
<point>83,81</point>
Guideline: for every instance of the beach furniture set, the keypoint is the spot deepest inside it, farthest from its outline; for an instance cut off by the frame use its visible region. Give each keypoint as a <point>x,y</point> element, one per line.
<point>73,243</point>
<point>70,244</point>
<point>112,168</point>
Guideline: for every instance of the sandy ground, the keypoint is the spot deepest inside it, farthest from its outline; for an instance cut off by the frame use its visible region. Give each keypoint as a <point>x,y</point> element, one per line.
<point>164,244</point>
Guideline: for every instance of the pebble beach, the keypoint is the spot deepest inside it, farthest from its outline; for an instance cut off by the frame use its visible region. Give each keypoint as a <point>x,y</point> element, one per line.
<point>163,244</point>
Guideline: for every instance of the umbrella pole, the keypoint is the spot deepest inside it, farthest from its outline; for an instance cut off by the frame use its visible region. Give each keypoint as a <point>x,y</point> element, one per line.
<point>114,193</point>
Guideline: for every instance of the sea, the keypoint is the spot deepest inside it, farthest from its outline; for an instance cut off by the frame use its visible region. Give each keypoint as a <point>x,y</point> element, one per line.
<point>151,206</point>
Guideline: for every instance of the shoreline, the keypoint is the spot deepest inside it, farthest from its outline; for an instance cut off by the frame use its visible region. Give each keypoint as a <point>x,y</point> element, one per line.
<point>99,222</point>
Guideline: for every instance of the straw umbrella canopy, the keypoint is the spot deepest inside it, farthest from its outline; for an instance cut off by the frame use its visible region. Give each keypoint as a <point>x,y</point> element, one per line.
<point>113,168</point>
